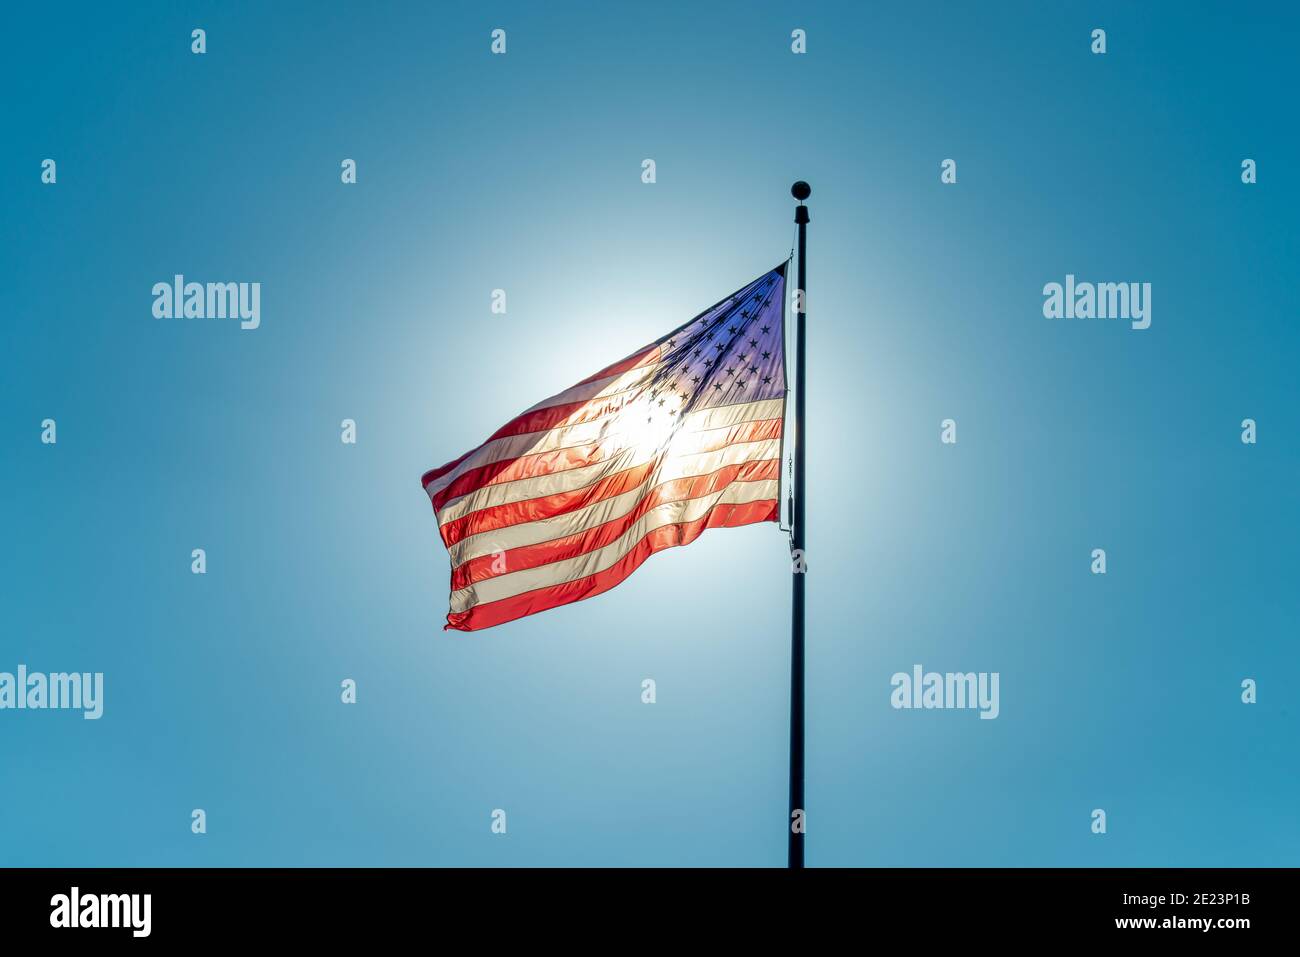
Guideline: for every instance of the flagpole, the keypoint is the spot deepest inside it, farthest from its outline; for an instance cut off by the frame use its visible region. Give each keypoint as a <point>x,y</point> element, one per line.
<point>795,823</point>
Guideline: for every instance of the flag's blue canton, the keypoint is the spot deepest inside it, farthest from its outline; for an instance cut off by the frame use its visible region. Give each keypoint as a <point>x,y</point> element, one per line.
<point>731,353</point>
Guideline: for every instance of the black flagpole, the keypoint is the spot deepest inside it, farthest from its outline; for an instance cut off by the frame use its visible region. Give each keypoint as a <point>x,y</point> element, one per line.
<point>795,822</point>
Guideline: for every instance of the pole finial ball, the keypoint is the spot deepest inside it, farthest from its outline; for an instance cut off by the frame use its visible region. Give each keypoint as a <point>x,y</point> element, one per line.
<point>801,191</point>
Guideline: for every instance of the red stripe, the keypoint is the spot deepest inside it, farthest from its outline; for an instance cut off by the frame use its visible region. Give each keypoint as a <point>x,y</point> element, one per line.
<point>442,470</point>
<point>533,465</point>
<point>539,420</point>
<point>598,536</point>
<point>570,413</point>
<point>669,536</point>
<point>525,466</point>
<point>548,506</point>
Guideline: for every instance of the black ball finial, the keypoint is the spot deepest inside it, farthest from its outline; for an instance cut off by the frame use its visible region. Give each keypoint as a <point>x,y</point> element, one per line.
<point>801,191</point>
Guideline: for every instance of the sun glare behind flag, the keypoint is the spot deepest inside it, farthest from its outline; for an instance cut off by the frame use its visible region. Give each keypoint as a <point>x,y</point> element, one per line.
<point>568,498</point>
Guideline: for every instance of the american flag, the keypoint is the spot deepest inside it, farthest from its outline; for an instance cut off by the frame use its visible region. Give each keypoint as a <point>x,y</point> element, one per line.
<point>567,499</point>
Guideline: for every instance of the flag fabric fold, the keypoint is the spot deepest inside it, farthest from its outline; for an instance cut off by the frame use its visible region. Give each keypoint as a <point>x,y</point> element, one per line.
<point>568,498</point>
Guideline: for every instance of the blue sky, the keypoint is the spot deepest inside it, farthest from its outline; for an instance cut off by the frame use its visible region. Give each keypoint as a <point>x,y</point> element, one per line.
<point>523,172</point>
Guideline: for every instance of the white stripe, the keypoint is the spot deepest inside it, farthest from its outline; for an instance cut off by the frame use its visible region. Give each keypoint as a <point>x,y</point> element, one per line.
<point>607,509</point>
<point>702,463</point>
<point>552,483</point>
<point>557,437</point>
<point>598,389</point>
<point>690,436</point>
<point>589,563</point>
<point>586,433</point>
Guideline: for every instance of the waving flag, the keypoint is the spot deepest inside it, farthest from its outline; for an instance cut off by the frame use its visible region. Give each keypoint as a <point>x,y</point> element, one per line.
<point>567,499</point>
